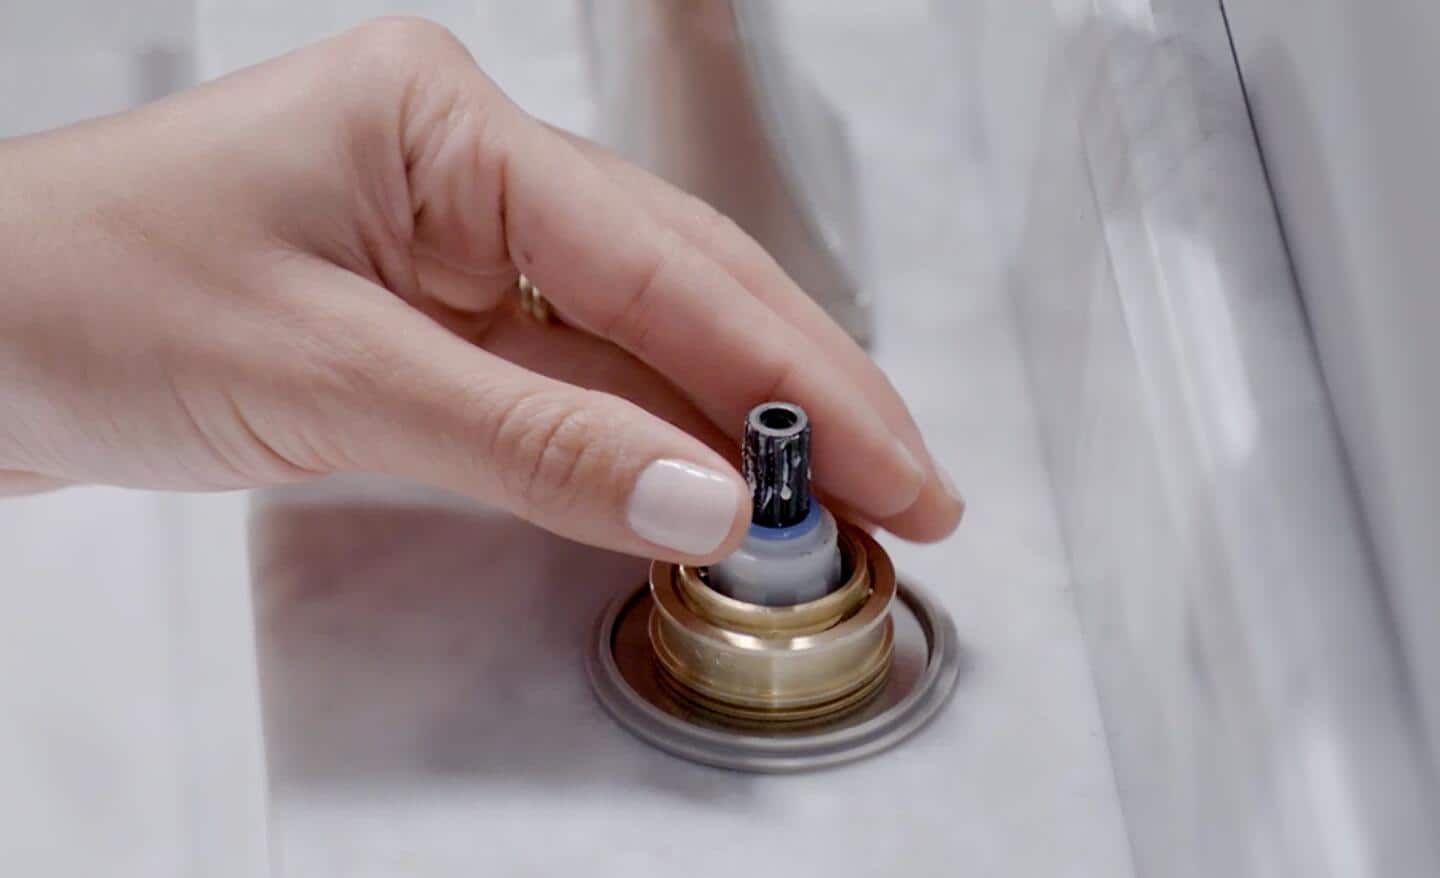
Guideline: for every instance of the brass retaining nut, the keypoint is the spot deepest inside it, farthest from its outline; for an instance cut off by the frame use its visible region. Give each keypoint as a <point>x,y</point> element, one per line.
<point>750,664</point>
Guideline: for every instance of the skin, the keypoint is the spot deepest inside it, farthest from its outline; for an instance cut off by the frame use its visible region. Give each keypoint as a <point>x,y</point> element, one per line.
<point>309,267</point>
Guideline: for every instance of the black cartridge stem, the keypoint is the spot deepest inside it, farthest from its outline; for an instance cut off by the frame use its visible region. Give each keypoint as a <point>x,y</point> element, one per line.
<point>776,463</point>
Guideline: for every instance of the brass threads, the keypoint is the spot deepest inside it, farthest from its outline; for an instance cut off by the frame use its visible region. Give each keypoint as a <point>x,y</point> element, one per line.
<point>731,713</point>
<point>756,664</point>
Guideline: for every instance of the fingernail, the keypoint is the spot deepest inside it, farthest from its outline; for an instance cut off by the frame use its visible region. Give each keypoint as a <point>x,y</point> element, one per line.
<point>948,484</point>
<point>912,462</point>
<point>683,507</point>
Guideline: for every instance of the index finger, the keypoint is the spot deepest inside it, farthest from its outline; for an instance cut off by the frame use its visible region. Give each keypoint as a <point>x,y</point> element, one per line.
<point>939,507</point>
<point>614,270</point>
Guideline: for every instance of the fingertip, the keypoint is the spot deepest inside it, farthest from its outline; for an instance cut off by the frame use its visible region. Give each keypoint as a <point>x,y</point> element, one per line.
<point>739,526</point>
<point>688,512</point>
<point>935,515</point>
<point>947,484</point>
<point>878,478</point>
<point>915,471</point>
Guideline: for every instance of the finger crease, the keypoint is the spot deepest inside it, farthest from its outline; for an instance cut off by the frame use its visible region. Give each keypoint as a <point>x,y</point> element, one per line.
<point>630,324</point>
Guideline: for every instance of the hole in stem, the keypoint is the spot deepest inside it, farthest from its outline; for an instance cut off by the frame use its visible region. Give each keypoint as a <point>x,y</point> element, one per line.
<point>779,419</point>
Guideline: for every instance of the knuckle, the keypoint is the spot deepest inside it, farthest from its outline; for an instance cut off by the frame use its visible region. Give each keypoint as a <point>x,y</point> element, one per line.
<point>780,369</point>
<point>631,322</point>
<point>551,448</point>
<point>353,359</point>
<point>407,39</point>
<point>397,50</point>
<point>342,373</point>
<point>715,226</point>
<point>716,232</point>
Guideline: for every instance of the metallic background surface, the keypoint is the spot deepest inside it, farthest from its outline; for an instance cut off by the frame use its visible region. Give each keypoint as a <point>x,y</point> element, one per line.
<point>1259,713</point>
<point>1345,111</point>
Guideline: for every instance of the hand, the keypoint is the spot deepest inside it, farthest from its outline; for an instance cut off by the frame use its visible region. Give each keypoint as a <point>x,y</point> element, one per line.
<point>309,267</point>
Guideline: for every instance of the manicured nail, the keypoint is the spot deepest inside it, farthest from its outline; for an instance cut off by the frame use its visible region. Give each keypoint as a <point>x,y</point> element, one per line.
<point>684,507</point>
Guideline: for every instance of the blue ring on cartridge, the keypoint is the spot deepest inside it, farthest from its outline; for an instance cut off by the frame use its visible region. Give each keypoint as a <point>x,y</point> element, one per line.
<point>790,532</point>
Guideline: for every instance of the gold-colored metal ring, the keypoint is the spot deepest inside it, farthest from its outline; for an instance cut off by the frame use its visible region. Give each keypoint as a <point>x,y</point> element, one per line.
<point>807,618</point>
<point>532,302</point>
<point>766,714</point>
<point>768,674</point>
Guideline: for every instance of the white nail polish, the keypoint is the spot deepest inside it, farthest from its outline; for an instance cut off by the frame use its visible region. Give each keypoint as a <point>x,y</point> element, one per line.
<point>683,507</point>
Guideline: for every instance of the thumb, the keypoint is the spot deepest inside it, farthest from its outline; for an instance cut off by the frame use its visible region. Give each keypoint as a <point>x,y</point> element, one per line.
<point>420,402</point>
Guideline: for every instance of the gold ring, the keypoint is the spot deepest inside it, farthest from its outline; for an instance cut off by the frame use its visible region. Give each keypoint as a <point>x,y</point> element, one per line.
<point>532,302</point>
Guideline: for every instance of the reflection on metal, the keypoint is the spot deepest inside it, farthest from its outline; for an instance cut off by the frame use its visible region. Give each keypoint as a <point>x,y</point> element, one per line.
<point>700,93</point>
<point>628,681</point>
<point>1259,719</point>
<point>777,664</point>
